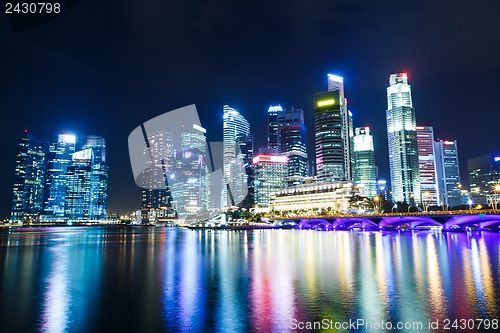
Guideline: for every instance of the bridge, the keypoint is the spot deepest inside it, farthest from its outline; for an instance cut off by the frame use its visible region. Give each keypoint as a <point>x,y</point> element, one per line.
<point>447,221</point>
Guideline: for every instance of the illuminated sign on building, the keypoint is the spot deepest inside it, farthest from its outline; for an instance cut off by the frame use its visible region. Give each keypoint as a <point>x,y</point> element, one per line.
<point>275,108</point>
<point>270,159</point>
<point>326,102</point>
<point>497,159</point>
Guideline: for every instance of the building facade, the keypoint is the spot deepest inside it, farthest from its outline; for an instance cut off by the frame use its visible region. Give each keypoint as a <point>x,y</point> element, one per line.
<point>63,181</point>
<point>315,198</point>
<point>59,159</point>
<point>234,126</point>
<point>332,133</point>
<point>271,175</point>
<point>402,139</point>
<point>365,171</point>
<point>190,179</point>
<point>427,165</point>
<point>29,178</point>
<point>448,172</point>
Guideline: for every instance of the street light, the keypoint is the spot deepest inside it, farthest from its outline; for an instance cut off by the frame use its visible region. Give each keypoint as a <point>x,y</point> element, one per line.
<point>425,196</point>
<point>409,205</point>
<point>394,207</point>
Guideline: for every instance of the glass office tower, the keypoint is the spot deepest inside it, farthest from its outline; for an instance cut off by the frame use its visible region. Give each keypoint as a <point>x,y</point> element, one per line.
<point>234,126</point>
<point>273,135</point>
<point>59,159</point>
<point>332,134</point>
<point>271,174</point>
<point>190,180</point>
<point>87,181</point>
<point>365,171</point>
<point>448,172</point>
<point>160,153</point>
<point>402,138</point>
<point>29,178</point>
<point>427,165</point>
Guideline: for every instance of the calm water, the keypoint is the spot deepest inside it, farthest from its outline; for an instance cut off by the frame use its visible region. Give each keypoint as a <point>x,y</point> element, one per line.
<point>165,279</point>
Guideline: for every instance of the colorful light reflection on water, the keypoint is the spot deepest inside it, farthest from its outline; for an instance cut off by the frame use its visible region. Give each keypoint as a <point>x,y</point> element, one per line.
<point>165,279</point>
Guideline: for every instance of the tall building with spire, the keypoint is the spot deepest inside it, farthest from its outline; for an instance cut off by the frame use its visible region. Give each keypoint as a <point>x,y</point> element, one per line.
<point>235,126</point>
<point>333,135</point>
<point>402,138</point>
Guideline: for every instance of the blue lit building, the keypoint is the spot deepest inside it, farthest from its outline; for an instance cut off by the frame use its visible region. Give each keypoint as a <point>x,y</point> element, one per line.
<point>29,178</point>
<point>77,180</point>
<point>59,159</point>
<point>448,172</point>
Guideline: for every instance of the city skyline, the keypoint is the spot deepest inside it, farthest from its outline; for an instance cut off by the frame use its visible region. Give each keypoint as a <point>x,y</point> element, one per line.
<point>50,84</point>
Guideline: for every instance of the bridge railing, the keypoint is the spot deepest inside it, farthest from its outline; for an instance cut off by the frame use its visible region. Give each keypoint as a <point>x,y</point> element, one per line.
<point>432,213</point>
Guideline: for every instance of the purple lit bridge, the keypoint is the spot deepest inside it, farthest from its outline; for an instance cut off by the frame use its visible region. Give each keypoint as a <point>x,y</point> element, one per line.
<point>448,221</point>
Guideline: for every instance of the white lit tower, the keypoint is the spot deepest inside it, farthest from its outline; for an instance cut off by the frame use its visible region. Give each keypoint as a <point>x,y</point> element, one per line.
<point>402,138</point>
<point>235,127</point>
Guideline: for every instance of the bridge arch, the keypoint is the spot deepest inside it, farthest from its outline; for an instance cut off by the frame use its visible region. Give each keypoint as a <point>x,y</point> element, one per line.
<point>314,222</point>
<point>481,220</point>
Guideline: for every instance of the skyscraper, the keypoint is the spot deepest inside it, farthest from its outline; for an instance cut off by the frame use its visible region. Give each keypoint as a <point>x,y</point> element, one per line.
<point>59,159</point>
<point>293,144</point>
<point>87,181</point>
<point>402,137</point>
<point>191,190</point>
<point>365,171</point>
<point>234,126</point>
<point>271,174</point>
<point>159,156</point>
<point>427,166</point>
<point>332,134</point>
<point>273,135</point>
<point>29,178</point>
<point>448,172</point>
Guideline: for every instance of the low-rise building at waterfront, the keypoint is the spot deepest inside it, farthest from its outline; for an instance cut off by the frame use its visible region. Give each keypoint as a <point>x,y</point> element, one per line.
<point>315,198</point>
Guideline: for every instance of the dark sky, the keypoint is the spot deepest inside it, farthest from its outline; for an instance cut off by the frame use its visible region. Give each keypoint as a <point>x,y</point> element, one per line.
<point>107,66</point>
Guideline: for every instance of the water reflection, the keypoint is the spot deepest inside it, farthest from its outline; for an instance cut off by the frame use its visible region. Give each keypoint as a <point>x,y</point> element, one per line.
<point>154,279</point>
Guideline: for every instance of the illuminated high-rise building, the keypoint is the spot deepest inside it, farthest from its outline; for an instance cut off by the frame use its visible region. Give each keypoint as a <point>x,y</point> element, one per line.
<point>293,144</point>
<point>190,179</point>
<point>427,165</point>
<point>365,171</point>
<point>273,133</point>
<point>271,174</point>
<point>333,137</point>
<point>160,155</point>
<point>59,159</point>
<point>402,138</point>
<point>448,172</point>
<point>235,126</point>
<point>29,178</point>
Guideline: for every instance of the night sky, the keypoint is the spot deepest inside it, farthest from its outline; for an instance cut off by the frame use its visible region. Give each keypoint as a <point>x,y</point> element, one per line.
<point>105,67</point>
